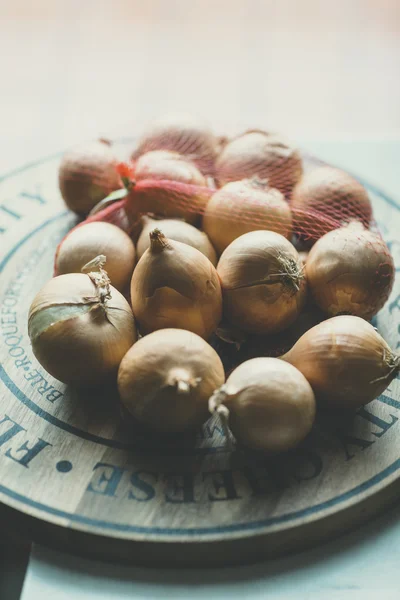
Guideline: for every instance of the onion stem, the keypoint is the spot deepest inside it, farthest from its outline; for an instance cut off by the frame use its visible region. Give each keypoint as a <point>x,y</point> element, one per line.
<point>215,405</point>
<point>158,241</point>
<point>182,381</point>
<point>393,362</point>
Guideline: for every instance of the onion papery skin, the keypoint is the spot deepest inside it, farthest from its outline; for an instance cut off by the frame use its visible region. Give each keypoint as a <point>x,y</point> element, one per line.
<point>76,337</point>
<point>243,206</point>
<point>175,286</point>
<point>262,154</point>
<point>271,409</point>
<point>350,271</point>
<point>168,185</point>
<point>263,285</point>
<point>87,174</point>
<point>346,362</point>
<point>166,379</point>
<point>177,230</point>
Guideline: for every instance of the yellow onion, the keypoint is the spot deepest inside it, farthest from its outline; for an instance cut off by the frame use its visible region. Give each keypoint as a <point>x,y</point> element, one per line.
<point>243,206</point>
<point>263,284</point>
<point>177,230</point>
<point>81,327</point>
<point>87,174</point>
<point>166,379</point>
<point>346,362</point>
<point>92,239</point>
<point>268,407</point>
<point>175,286</point>
<point>155,175</point>
<point>326,198</point>
<point>183,134</point>
<point>266,155</point>
<point>350,271</point>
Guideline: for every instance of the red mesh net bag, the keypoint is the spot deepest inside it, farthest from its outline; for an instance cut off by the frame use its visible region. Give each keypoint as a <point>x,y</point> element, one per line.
<point>256,181</point>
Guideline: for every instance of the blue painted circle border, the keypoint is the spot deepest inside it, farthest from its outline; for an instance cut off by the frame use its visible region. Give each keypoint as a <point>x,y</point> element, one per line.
<point>189,532</point>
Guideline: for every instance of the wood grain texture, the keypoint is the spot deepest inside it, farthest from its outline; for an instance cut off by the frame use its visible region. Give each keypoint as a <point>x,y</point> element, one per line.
<point>73,476</point>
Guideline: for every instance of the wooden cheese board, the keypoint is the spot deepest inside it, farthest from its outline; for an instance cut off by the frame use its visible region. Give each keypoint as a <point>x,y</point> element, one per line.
<point>73,476</point>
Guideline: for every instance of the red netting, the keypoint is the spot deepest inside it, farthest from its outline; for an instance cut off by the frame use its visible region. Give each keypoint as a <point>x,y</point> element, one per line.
<point>171,199</point>
<point>280,190</point>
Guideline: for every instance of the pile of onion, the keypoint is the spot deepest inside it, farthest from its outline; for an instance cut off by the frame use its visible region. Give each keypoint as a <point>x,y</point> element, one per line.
<point>350,271</point>
<point>87,174</point>
<point>262,154</point>
<point>186,198</point>
<point>243,206</point>
<point>263,284</point>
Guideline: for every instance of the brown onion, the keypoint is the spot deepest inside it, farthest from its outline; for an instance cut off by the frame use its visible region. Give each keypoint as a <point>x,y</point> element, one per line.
<point>175,286</point>
<point>346,362</point>
<point>262,280</point>
<point>326,198</point>
<point>243,206</point>
<point>266,155</point>
<point>166,379</point>
<point>81,327</point>
<point>350,271</point>
<point>155,170</point>
<point>87,174</point>
<point>92,239</point>
<point>183,134</point>
<point>268,407</point>
<point>177,230</point>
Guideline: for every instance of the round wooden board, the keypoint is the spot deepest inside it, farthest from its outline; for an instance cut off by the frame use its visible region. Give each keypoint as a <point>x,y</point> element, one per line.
<point>71,476</point>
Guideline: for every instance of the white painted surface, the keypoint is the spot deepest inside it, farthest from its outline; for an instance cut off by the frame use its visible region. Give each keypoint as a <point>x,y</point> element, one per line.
<point>362,565</point>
